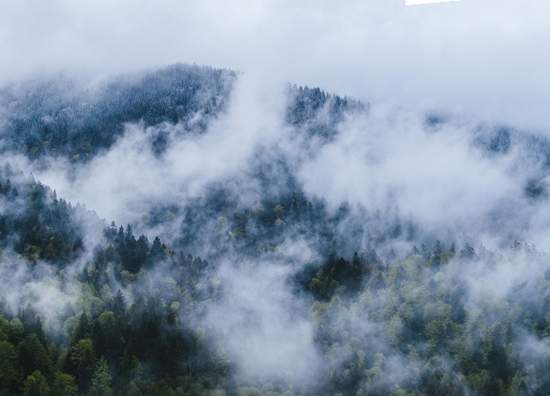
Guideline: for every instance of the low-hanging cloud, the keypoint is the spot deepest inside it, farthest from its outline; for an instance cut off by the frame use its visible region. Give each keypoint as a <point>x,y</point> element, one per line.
<point>480,58</point>
<point>393,160</point>
<point>388,162</point>
<point>265,328</point>
<point>126,181</point>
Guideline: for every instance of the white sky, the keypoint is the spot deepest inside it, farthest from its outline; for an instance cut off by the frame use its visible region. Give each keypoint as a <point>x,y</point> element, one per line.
<point>422,2</point>
<point>484,57</point>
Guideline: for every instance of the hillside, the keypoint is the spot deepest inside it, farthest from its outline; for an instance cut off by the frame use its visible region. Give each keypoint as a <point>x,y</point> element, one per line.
<point>176,232</point>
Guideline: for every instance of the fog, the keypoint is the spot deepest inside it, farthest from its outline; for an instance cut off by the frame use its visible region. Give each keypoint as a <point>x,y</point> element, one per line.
<point>474,61</point>
<point>386,161</point>
<point>485,58</point>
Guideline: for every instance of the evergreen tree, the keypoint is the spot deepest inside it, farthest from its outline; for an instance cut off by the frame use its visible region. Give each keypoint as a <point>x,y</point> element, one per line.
<point>101,380</point>
<point>64,385</point>
<point>82,361</point>
<point>33,356</point>
<point>36,385</point>
<point>8,368</point>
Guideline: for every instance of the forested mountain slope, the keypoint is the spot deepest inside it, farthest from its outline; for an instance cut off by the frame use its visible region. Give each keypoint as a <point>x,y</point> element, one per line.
<point>285,259</point>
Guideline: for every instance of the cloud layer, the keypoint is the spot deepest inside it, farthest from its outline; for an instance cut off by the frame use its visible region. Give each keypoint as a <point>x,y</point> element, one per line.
<point>482,58</point>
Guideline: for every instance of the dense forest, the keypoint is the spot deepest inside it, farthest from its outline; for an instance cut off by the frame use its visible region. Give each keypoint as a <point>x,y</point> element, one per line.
<point>283,294</point>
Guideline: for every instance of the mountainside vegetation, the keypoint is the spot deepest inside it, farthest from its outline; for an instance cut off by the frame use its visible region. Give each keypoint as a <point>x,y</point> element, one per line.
<point>390,307</point>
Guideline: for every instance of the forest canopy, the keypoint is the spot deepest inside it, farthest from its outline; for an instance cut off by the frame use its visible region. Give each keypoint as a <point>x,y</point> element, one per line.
<point>249,267</point>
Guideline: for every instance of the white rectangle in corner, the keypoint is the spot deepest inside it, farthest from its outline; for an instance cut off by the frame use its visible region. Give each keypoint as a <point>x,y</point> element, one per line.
<point>422,2</point>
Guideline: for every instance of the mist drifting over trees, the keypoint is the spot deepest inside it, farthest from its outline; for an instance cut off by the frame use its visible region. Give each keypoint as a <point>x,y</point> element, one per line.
<point>199,230</point>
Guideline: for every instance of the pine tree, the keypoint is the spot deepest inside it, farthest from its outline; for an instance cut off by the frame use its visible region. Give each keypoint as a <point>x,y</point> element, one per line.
<point>36,385</point>
<point>64,385</point>
<point>33,356</point>
<point>101,381</point>
<point>8,366</point>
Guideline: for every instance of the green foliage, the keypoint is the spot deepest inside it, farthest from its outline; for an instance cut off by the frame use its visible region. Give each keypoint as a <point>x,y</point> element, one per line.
<point>82,361</point>
<point>335,274</point>
<point>403,327</point>
<point>101,381</point>
<point>9,375</point>
<point>33,356</point>
<point>64,385</point>
<point>44,226</point>
<point>36,385</point>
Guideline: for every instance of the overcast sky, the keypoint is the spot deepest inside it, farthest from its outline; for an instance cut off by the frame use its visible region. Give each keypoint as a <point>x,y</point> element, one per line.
<point>489,58</point>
